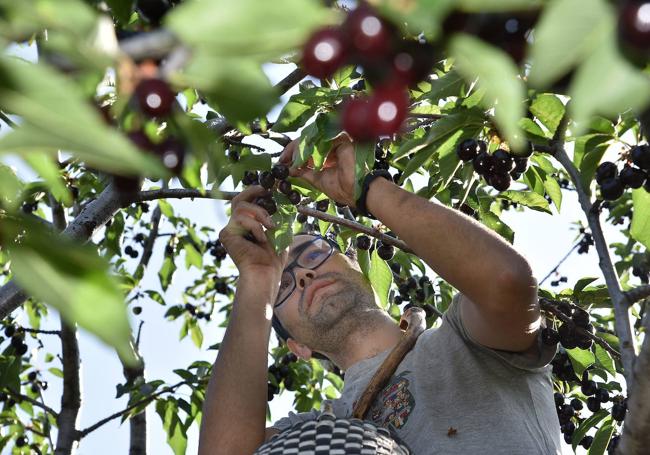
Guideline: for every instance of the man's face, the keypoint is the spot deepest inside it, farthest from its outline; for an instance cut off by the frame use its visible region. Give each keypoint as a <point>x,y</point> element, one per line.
<point>328,302</point>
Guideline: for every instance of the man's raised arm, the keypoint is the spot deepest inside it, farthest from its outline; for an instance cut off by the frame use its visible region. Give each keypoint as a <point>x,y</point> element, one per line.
<point>234,411</point>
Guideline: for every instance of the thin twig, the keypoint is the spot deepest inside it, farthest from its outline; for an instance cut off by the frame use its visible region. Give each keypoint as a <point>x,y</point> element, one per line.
<point>43,332</point>
<point>638,293</point>
<point>566,256</point>
<point>105,420</point>
<point>5,118</point>
<point>32,401</point>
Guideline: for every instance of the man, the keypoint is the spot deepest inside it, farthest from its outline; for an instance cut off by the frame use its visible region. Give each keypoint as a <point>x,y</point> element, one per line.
<point>477,384</point>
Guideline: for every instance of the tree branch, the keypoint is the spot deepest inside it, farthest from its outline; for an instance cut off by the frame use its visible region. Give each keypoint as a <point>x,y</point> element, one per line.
<point>66,422</point>
<point>5,118</point>
<point>151,397</point>
<point>138,422</point>
<point>36,403</point>
<point>149,244</point>
<point>290,80</point>
<point>638,293</point>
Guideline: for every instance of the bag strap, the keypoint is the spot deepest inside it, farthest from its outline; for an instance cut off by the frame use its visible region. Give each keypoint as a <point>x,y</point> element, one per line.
<point>413,323</point>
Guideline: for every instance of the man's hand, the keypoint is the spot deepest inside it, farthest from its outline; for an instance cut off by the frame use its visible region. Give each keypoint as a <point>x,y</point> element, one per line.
<point>336,179</point>
<point>251,258</point>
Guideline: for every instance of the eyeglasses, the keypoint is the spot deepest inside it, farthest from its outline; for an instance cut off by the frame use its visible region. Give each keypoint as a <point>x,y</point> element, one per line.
<point>309,255</point>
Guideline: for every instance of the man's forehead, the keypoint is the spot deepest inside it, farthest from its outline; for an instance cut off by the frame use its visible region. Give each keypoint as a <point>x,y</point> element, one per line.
<point>299,240</point>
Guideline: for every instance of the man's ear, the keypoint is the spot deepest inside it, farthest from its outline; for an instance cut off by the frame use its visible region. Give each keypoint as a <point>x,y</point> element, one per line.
<point>301,351</point>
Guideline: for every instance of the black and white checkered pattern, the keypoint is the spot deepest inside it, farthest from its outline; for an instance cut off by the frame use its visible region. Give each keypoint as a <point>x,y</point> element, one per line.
<point>329,435</point>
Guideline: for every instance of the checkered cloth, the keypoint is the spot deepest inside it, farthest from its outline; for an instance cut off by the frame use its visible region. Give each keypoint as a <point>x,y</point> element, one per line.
<point>329,435</point>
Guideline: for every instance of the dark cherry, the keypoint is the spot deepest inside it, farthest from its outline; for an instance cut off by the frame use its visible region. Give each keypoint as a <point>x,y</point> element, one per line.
<point>634,30</point>
<point>280,171</point>
<point>155,97</point>
<point>153,10</point>
<point>369,35</point>
<point>363,242</point>
<point>324,52</point>
<point>295,198</point>
<point>521,165</point>
<point>250,178</point>
<point>412,62</point>
<point>267,180</point>
<point>618,412</point>
<point>468,149</point>
<point>640,155</point>
<point>611,189</point>
<point>503,162</point>
<point>172,154</point>
<point>632,177</point>
<point>499,182</point>
<point>606,170</point>
<point>483,163</point>
<point>285,187</point>
<point>141,140</point>
<point>385,252</point>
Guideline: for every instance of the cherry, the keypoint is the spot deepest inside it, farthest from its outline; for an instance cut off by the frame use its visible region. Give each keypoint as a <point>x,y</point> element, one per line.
<point>593,404</point>
<point>640,155</point>
<point>172,154</point>
<point>576,404</point>
<point>634,30</point>
<point>468,149</point>
<point>618,411</point>
<point>499,182</point>
<point>388,107</point>
<point>267,203</point>
<point>153,10</point>
<point>267,180</point>
<point>295,198</point>
<point>370,36</point>
<point>137,310</point>
<point>587,441</point>
<point>10,330</point>
<point>412,62</point>
<point>22,349</point>
<point>395,267</point>
<point>611,189</point>
<point>363,242</point>
<point>549,336</point>
<point>21,441</point>
<point>558,398</point>
<point>280,171</point>
<point>588,387</point>
<point>602,395</point>
<point>605,170</point>
<point>568,428</point>
<point>354,117</point>
<point>31,376</point>
<point>483,163</point>
<point>385,252</point>
<point>580,317</point>
<point>632,177</point>
<point>301,218</point>
<point>155,97</point>
<point>503,162</point>
<point>324,53</point>
<point>141,140</point>
<point>250,178</point>
<point>521,165</point>
<point>285,187</point>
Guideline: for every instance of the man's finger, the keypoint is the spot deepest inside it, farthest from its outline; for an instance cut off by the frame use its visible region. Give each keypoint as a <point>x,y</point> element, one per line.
<point>286,157</point>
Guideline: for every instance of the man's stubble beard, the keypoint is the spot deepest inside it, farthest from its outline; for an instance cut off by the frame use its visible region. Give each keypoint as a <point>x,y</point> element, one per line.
<point>340,314</point>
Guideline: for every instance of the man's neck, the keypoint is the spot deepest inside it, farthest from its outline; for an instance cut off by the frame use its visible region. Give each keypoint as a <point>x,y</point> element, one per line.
<point>379,334</point>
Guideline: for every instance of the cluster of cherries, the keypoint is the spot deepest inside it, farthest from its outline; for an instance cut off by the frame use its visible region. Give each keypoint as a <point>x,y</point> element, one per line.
<point>17,336</point>
<point>499,168</point>
<point>585,242</point>
<point>268,179</point>
<point>568,333</point>
<point>281,373</point>
<point>384,251</point>
<point>390,63</point>
<point>569,413</point>
<point>613,184</point>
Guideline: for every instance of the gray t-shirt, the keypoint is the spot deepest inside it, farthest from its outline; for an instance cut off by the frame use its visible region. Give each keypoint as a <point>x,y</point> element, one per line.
<point>451,395</point>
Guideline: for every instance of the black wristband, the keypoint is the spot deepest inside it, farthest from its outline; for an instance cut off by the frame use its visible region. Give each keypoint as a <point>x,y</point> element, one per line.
<point>361,202</point>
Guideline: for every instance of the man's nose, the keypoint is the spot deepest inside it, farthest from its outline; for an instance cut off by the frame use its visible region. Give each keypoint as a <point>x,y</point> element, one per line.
<point>304,277</point>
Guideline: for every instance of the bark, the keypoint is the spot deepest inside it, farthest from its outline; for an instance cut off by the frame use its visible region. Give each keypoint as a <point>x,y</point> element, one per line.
<point>68,436</point>
<point>137,423</point>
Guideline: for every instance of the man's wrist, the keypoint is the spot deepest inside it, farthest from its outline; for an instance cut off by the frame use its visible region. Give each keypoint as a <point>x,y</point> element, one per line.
<point>374,198</point>
<point>362,203</point>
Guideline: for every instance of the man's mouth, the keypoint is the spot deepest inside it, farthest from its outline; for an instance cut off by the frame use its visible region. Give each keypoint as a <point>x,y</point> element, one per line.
<point>314,288</point>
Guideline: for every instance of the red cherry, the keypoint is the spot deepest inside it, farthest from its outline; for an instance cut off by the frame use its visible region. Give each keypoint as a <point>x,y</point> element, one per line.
<point>141,140</point>
<point>324,53</point>
<point>369,35</point>
<point>155,97</point>
<point>634,24</point>
<point>172,154</point>
<point>388,109</point>
<point>412,62</point>
<point>355,119</point>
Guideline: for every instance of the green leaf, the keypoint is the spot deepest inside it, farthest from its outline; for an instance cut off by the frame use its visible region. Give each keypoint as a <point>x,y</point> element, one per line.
<point>166,272</point>
<point>586,425</point>
<point>247,28</point>
<point>73,279</point>
<point>381,278</point>
<point>640,230</point>
<point>619,85</point>
<point>197,334</point>
<point>528,199</point>
<point>604,359</point>
<point>56,371</point>
<point>282,236</point>
<point>192,256</point>
<point>10,372</point>
<point>293,116</point>
<point>581,359</point>
<point>549,110</point>
<point>424,16</point>
<point>166,208</point>
<point>497,5</point>
<point>602,437</point>
<point>445,86</point>
<point>176,437</point>
<point>363,257</point>
<point>121,9</point>
<point>565,34</point>
<point>57,116</point>
<point>43,164</point>
<point>553,189</point>
<point>582,282</point>
<point>10,187</point>
<point>498,75</point>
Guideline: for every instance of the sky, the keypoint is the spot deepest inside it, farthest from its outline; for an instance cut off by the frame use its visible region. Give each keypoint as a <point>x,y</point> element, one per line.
<point>543,239</point>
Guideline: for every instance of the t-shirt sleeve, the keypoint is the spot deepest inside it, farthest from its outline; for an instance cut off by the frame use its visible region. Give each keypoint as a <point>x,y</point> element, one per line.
<point>527,362</point>
<point>294,418</point>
